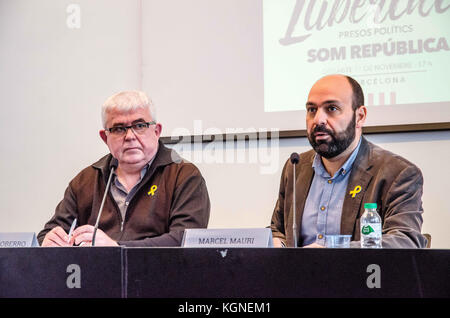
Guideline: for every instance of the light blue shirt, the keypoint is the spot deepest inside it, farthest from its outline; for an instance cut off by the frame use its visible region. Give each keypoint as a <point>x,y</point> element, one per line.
<point>323,206</point>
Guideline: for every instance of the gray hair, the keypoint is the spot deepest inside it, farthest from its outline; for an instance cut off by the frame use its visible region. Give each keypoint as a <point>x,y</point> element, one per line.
<point>127,101</point>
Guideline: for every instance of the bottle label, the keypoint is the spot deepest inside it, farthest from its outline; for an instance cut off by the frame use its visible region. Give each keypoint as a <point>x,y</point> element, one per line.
<point>371,229</point>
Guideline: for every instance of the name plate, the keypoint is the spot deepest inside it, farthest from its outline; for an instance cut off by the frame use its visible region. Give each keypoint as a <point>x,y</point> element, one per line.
<point>18,239</point>
<point>227,238</point>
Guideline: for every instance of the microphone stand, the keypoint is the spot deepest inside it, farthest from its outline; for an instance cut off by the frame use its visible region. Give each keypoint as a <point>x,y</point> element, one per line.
<point>294,205</point>
<point>113,168</point>
<point>295,158</point>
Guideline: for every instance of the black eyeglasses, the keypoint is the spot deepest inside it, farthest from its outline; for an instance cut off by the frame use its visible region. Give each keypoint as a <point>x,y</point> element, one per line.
<point>138,128</point>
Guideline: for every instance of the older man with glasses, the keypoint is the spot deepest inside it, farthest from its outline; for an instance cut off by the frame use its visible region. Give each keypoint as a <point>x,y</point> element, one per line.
<point>154,195</point>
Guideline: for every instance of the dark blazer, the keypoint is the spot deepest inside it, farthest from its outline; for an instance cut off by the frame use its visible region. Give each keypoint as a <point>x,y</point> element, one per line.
<point>387,179</point>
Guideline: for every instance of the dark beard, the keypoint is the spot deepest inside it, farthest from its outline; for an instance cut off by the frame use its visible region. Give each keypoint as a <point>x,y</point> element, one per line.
<point>338,143</point>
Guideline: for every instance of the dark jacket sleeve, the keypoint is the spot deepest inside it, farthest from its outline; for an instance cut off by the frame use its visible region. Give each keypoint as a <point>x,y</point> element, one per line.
<point>403,213</point>
<point>190,209</point>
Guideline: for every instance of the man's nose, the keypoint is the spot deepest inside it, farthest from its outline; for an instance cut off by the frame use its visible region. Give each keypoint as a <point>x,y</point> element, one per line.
<point>320,117</point>
<point>130,134</point>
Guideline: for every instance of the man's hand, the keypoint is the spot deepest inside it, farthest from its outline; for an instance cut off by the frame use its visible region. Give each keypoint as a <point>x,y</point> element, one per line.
<point>82,236</point>
<point>313,245</point>
<point>277,242</point>
<point>57,237</point>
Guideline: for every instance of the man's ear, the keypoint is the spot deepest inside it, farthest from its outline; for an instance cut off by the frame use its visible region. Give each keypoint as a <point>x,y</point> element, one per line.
<point>158,130</point>
<point>361,114</point>
<point>102,134</point>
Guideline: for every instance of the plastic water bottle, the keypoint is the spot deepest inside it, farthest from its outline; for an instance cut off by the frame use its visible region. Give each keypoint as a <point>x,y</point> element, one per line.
<point>370,227</point>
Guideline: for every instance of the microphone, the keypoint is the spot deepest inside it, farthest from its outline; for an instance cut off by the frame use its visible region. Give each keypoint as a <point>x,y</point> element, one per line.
<point>113,166</point>
<point>295,158</point>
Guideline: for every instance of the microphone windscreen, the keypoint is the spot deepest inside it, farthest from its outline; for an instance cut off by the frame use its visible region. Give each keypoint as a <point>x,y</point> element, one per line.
<point>295,158</point>
<point>114,163</point>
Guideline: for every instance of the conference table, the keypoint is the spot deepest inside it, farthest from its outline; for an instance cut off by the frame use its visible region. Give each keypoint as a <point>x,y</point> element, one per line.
<point>191,273</point>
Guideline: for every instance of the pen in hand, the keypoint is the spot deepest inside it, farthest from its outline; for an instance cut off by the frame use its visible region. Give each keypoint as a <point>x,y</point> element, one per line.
<point>74,224</point>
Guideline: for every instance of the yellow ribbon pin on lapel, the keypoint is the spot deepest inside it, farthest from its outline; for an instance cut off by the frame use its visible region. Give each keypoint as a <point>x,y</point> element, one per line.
<point>152,190</point>
<point>355,191</point>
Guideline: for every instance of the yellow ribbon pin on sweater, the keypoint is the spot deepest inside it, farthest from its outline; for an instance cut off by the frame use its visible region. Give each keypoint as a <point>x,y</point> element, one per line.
<point>355,191</point>
<point>152,190</point>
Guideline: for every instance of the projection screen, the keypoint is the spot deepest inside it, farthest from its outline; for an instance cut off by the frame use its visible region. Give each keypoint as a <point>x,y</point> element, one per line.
<point>223,66</point>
